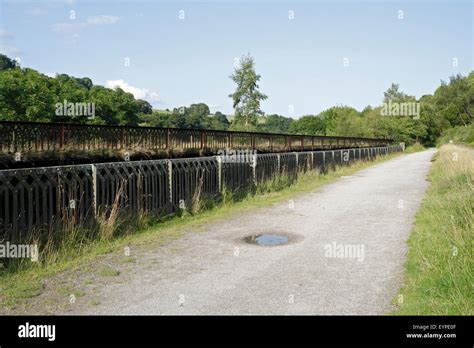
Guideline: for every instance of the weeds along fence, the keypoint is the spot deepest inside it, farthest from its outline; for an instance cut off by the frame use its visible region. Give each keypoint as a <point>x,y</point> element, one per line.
<point>24,137</point>
<point>41,200</point>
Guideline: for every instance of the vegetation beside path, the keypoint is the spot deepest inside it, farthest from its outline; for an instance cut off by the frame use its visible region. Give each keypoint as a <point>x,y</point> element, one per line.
<point>440,264</point>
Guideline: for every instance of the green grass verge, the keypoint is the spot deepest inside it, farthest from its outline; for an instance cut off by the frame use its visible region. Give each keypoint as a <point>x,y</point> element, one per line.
<point>27,281</point>
<point>439,276</point>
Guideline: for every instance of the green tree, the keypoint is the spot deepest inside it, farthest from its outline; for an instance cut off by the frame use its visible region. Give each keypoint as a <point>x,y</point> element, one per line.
<point>308,125</point>
<point>218,121</point>
<point>275,124</point>
<point>394,95</point>
<point>7,63</point>
<point>196,116</point>
<point>247,97</point>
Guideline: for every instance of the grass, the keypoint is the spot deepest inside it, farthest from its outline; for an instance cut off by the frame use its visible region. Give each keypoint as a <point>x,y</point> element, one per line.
<point>27,278</point>
<point>108,272</point>
<point>440,264</point>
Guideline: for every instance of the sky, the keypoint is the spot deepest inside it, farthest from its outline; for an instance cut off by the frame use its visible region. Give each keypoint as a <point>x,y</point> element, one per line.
<point>311,55</point>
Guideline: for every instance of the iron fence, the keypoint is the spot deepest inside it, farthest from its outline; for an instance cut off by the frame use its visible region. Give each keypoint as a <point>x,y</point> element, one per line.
<point>36,199</point>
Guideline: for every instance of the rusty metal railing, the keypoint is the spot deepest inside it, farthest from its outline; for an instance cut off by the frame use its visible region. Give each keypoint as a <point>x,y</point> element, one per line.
<point>20,136</point>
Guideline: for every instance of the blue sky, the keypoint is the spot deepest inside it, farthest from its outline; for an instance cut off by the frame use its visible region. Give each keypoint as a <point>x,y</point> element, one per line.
<point>178,61</point>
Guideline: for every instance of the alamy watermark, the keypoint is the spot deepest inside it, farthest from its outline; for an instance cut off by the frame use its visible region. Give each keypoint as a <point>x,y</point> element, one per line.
<point>19,251</point>
<point>75,109</point>
<point>411,109</point>
<point>237,156</point>
<point>343,251</point>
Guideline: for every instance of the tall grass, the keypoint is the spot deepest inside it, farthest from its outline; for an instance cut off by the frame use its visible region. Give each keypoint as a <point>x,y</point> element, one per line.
<point>440,264</point>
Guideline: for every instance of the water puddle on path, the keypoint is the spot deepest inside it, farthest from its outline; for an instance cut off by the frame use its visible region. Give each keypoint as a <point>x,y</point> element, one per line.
<point>266,239</point>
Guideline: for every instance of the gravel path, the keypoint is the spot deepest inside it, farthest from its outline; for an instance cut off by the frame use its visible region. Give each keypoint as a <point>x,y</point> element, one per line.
<point>364,218</point>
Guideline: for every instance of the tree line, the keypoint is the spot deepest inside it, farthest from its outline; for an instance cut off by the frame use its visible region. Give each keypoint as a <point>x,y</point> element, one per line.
<point>26,94</point>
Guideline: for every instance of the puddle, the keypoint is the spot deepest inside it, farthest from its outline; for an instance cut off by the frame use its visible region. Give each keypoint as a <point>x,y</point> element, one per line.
<point>266,239</point>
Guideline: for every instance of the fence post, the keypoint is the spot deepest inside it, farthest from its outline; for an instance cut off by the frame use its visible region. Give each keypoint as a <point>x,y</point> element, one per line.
<point>13,147</point>
<point>170,183</point>
<point>278,162</point>
<point>95,208</point>
<point>324,161</point>
<point>219,173</point>
<point>254,168</point>
<point>296,154</point>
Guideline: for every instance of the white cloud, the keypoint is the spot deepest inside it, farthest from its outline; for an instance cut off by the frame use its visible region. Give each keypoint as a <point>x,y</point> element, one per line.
<point>90,21</point>
<point>138,93</point>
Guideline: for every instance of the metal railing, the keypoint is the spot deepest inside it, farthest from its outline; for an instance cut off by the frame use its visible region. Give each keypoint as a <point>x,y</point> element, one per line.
<point>35,200</point>
<point>16,136</point>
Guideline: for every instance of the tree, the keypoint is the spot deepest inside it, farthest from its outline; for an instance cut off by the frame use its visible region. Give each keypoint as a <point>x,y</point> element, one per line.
<point>196,115</point>
<point>308,125</point>
<point>26,94</point>
<point>394,95</point>
<point>7,63</point>
<point>275,124</point>
<point>218,121</point>
<point>247,97</point>
<point>158,118</point>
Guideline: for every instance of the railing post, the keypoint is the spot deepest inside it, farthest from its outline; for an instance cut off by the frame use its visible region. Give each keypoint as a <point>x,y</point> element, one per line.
<point>95,207</point>
<point>219,173</point>
<point>13,144</point>
<point>254,168</point>
<point>170,184</point>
